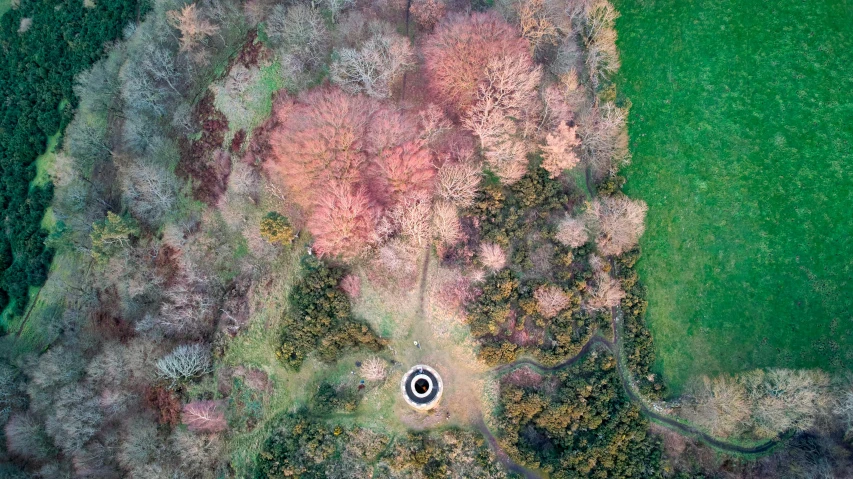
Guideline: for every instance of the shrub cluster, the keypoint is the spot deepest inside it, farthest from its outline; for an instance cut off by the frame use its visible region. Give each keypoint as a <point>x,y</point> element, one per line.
<point>533,306</point>
<point>637,341</point>
<point>320,318</point>
<point>302,445</point>
<point>584,427</point>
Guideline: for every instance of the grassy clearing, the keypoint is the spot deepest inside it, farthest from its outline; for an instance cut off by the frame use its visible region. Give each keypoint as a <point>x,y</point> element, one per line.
<point>5,6</point>
<point>45,161</point>
<point>397,317</point>
<point>40,325</point>
<point>742,148</point>
<point>249,109</point>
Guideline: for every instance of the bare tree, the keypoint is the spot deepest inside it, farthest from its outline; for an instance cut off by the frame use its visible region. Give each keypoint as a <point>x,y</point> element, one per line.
<point>606,292</point>
<point>343,223</point>
<point>159,64</point>
<point>150,190</point>
<point>86,141</point>
<point>459,51</point>
<point>413,218</point>
<point>193,26</point>
<point>542,22</point>
<point>502,114</point>
<point>374,369</point>
<point>184,362</point>
<point>337,6</point>
<point>433,122</point>
<point>187,311</point>
<point>204,416</point>
<point>26,438</point>
<point>445,223</point>
<point>571,232</point>
<point>373,68</point>
<point>198,453</point>
<point>550,300</point>
<point>617,223</point>
<point>11,391</point>
<point>602,56</point>
<point>787,399</point>
<point>843,408</point>
<point>558,154</point>
<point>140,447</point>
<point>492,256</point>
<point>75,416</point>
<point>458,183</point>
<point>720,405</point>
<point>301,32</point>
<point>604,139</point>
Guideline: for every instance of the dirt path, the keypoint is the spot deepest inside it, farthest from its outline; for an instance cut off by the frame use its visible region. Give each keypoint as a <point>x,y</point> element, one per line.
<point>614,347</point>
<point>511,465</point>
<point>625,376</point>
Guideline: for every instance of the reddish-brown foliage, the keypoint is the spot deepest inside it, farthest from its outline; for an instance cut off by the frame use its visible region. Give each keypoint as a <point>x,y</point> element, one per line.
<point>253,52</point>
<point>322,138</point>
<point>351,284</point>
<point>346,160</point>
<point>166,265</point>
<point>342,223</point>
<point>427,12</point>
<point>524,377</point>
<point>204,416</point>
<point>259,149</point>
<point>456,293</point>
<point>208,170</point>
<point>165,404</point>
<point>459,50</point>
<point>237,141</point>
<point>404,170</point>
<point>107,318</point>
<point>526,335</point>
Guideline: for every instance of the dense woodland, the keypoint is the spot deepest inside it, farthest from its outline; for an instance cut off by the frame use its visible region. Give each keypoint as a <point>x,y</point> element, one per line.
<point>236,179</point>
<point>45,45</point>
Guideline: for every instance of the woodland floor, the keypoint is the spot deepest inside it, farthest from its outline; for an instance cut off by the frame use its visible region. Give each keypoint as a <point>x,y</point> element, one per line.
<point>741,139</point>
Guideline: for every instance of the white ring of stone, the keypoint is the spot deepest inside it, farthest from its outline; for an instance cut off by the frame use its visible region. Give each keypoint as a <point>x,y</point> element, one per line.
<point>429,387</point>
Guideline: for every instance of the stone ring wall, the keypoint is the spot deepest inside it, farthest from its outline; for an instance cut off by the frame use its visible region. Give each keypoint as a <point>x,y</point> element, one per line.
<point>422,400</point>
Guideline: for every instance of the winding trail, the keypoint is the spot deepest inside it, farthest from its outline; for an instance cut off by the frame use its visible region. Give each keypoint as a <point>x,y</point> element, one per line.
<point>624,375</point>
<point>511,465</point>
<point>614,347</point>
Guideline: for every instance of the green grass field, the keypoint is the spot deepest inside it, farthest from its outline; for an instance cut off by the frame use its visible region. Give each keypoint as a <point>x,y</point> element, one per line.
<point>741,132</point>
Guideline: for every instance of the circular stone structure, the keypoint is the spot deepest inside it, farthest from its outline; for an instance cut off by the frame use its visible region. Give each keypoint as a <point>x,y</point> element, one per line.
<point>422,387</point>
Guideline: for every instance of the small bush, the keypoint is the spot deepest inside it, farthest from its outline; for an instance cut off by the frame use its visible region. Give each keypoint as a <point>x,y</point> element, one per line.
<point>275,228</point>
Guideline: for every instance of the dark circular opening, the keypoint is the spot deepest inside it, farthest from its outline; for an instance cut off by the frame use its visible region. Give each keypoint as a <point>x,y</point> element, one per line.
<point>421,386</point>
<point>420,389</point>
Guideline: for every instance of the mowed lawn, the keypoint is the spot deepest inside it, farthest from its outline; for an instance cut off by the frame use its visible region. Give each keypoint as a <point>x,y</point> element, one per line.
<point>742,130</point>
